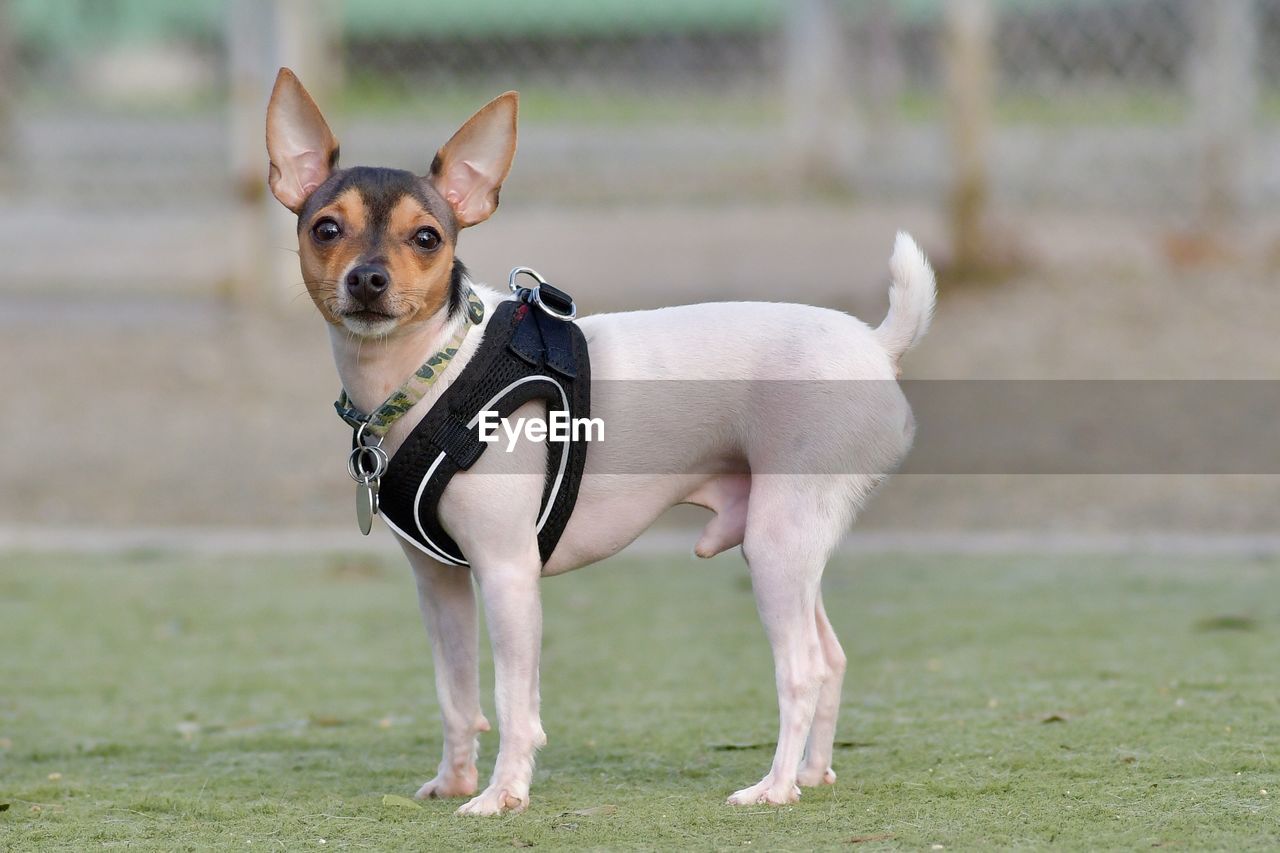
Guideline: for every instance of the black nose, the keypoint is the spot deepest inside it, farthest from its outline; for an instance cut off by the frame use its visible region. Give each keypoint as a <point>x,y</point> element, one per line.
<point>367,282</point>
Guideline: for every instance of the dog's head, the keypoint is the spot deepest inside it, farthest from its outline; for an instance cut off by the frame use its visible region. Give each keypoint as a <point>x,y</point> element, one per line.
<point>377,245</point>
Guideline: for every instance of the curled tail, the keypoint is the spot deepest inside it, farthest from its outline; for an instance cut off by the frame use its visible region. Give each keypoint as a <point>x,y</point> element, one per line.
<point>911,298</point>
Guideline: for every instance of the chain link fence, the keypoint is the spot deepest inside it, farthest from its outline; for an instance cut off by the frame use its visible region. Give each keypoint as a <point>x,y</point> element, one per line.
<point>671,151</point>
<point>1149,105</point>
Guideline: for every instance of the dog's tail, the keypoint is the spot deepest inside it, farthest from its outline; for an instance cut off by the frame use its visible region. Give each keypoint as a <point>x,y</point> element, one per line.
<point>911,298</point>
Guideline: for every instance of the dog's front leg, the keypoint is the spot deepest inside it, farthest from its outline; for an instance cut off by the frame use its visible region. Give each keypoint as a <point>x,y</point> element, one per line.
<point>448,603</point>
<point>513,609</point>
<point>491,512</point>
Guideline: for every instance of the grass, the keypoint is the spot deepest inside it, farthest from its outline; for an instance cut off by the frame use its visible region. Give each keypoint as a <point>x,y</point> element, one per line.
<point>1036,702</point>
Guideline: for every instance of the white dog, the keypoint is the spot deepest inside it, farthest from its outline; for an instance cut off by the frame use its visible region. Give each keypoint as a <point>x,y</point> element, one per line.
<point>784,475</point>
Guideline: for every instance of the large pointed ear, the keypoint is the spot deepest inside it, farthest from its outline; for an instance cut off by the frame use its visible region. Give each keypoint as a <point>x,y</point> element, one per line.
<point>302,149</point>
<point>469,170</point>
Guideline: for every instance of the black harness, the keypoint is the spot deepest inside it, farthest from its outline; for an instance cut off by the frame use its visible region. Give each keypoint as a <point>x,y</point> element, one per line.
<point>531,350</point>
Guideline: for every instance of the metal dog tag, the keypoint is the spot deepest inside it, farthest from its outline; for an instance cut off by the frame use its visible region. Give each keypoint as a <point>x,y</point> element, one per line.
<point>366,464</point>
<point>366,505</point>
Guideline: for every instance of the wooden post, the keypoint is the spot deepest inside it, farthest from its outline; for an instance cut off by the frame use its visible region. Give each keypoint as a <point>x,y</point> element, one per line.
<point>969,51</point>
<point>883,66</point>
<point>261,37</point>
<point>1224,92</point>
<point>306,38</point>
<point>819,120</point>
<point>248,43</point>
<point>8,90</point>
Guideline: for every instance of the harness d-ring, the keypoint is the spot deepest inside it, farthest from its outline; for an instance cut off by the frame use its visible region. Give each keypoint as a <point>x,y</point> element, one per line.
<point>519,271</point>
<point>535,294</point>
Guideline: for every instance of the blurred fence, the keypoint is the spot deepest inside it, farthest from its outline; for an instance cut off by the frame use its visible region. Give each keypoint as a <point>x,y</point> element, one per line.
<point>157,107</point>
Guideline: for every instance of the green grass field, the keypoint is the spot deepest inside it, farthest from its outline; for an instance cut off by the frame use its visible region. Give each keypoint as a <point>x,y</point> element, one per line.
<point>233,703</point>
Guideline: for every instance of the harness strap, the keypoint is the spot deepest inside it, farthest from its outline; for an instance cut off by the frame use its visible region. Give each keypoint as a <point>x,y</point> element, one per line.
<point>526,354</point>
<point>458,443</point>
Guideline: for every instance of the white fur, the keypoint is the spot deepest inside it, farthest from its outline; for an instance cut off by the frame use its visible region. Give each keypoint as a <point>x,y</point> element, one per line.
<point>695,442</point>
<point>911,298</point>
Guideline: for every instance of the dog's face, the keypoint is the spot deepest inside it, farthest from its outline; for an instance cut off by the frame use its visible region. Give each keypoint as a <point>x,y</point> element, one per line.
<point>377,245</point>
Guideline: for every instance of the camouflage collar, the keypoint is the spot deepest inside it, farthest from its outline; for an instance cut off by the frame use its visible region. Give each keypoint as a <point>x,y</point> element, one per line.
<point>416,386</point>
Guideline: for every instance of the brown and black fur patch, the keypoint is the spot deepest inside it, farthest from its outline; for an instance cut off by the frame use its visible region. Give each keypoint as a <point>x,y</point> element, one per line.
<point>381,209</point>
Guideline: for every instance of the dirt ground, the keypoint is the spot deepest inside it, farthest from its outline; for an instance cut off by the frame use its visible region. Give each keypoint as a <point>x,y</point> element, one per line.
<point>150,405</point>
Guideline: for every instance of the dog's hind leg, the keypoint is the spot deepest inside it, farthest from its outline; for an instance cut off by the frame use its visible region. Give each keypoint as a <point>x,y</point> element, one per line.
<point>790,533</point>
<point>816,768</point>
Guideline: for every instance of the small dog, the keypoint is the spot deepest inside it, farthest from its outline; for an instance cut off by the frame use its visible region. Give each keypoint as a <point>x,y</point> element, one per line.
<point>377,251</point>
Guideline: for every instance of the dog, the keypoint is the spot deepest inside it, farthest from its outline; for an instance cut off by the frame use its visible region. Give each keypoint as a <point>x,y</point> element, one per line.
<point>377,249</point>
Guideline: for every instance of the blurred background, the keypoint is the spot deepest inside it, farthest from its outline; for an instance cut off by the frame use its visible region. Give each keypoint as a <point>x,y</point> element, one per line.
<point>1096,180</point>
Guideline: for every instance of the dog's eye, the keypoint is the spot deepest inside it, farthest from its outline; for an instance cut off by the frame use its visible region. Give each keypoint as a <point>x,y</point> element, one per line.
<point>427,238</point>
<point>325,231</point>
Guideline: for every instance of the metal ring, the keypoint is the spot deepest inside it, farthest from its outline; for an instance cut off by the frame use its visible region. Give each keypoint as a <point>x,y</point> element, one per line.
<point>357,469</point>
<point>356,464</point>
<point>536,298</point>
<point>519,271</point>
<point>360,442</point>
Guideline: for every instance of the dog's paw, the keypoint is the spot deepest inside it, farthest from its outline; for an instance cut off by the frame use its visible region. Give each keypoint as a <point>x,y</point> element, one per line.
<point>812,777</point>
<point>765,792</point>
<point>449,785</point>
<point>495,800</point>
